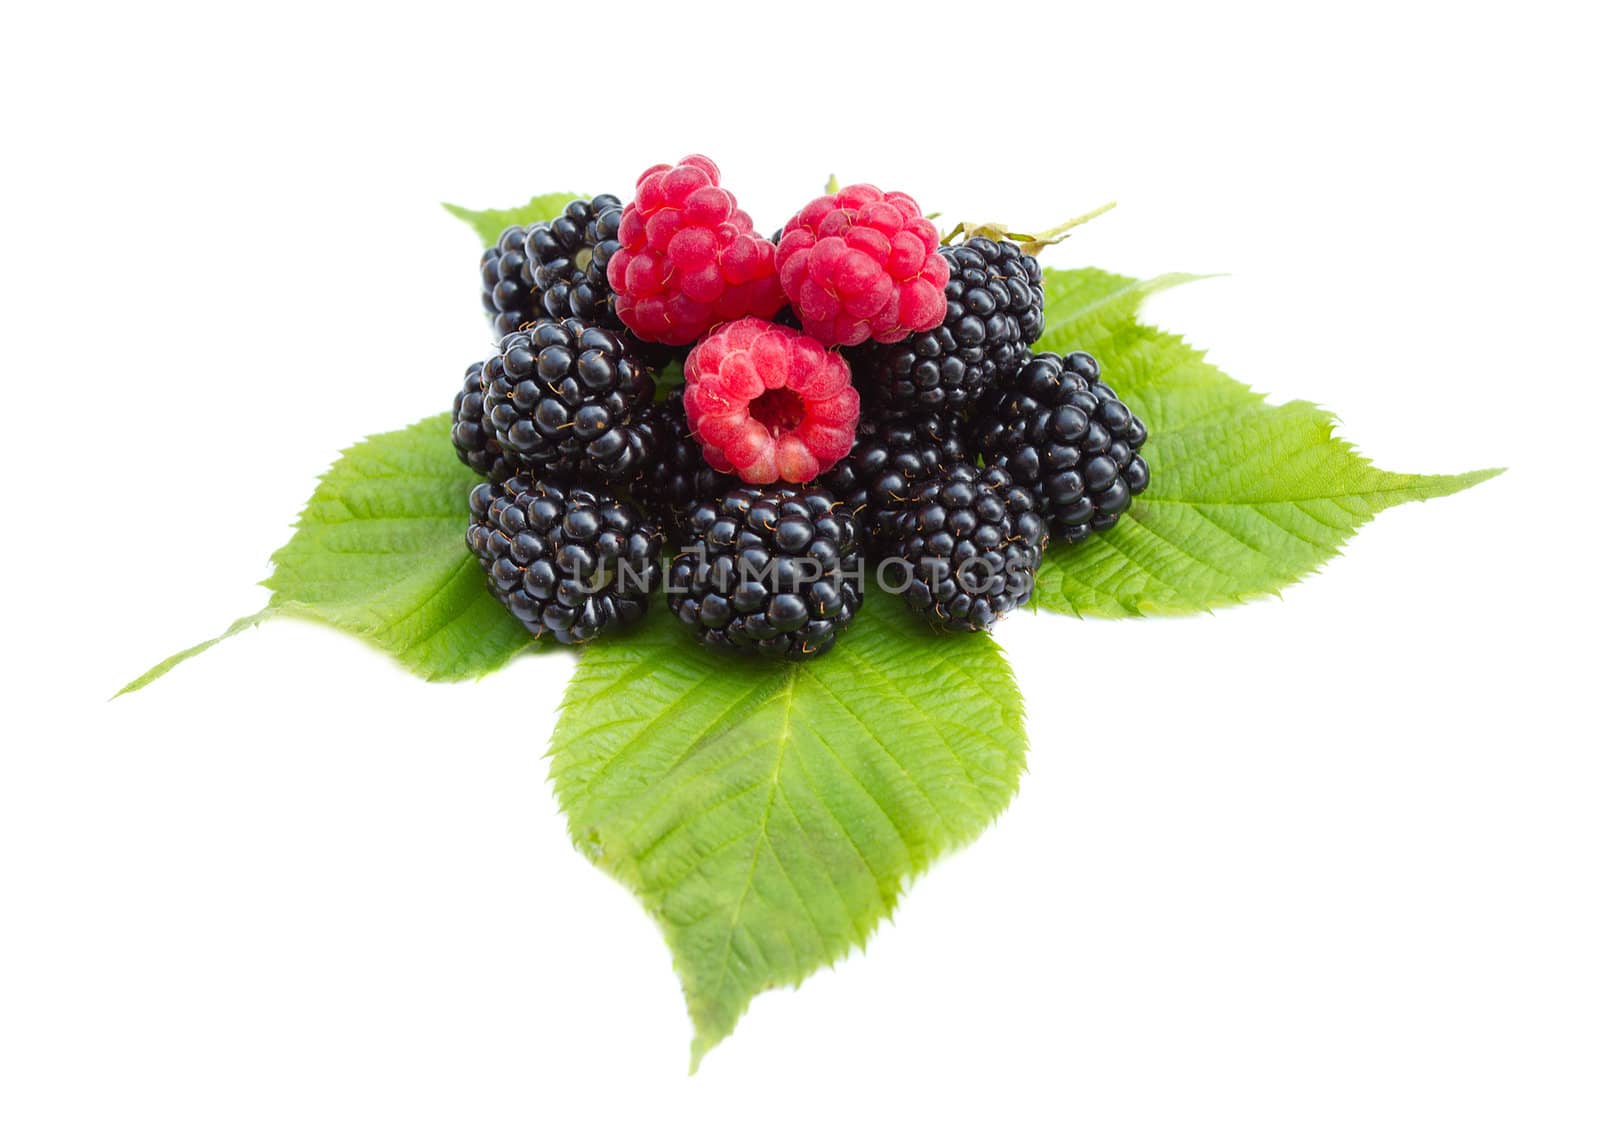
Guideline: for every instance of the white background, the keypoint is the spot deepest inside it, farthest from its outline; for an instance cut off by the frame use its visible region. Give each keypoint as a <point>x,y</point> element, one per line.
<point>1323,866</point>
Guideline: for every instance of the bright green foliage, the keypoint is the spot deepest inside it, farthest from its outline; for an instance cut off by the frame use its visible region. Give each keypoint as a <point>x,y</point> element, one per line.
<point>380,551</point>
<point>769,816</point>
<point>161,670</point>
<point>1091,306</point>
<point>489,223</point>
<point>1245,497</point>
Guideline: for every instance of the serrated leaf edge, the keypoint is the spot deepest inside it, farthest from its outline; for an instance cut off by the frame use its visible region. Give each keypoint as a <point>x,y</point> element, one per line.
<point>623,866</point>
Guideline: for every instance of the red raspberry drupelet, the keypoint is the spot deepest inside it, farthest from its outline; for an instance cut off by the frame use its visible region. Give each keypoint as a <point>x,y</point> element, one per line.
<point>689,256</point>
<point>769,403</point>
<point>862,263</point>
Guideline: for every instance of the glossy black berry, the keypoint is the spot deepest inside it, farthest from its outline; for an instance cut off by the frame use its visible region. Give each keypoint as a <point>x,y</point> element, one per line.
<point>994,309</point>
<point>787,318</point>
<point>964,550</point>
<point>474,439</point>
<point>568,562</point>
<point>567,260</point>
<point>563,398</point>
<point>1065,436</point>
<point>507,279</point>
<point>774,570</point>
<point>675,473</point>
<point>890,456</point>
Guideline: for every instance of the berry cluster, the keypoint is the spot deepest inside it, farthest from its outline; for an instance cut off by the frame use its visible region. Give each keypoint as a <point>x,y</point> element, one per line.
<point>853,391</point>
<point>769,403</point>
<point>565,560</point>
<point>969,542</point>
<point>775,570</point>
<point>1063,434</point>
<point>690,257</point>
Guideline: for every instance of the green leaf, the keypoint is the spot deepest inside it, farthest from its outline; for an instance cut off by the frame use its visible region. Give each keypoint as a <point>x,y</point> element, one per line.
<point>769,816</point>
<point>163,668</point>
<point>489,223</point>
<point>668,377</point>
<point>380,552</point>
<point>1245,497</point>
<point>1091,306</point>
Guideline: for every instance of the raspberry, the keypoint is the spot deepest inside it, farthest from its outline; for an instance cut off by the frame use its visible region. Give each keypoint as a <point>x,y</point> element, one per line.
<point>508,293</point>
<point>471,432</point>
<point>676,472</point>
<point>562,397</point>
<point>771,570</point>
<point>566,561</point>
<point>689,256</point>
<point>889,457</point>
<point>1066,437</point>
<point>769,403</point>
<point>862,263</point>
<point>994,309</point>
<point>567,260</point>
<point>969,544</point>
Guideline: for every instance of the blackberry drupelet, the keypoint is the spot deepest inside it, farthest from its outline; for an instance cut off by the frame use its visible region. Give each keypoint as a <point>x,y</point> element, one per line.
<point>890,456</point>
<point>994,309</point>
<point>785,317</point>
<point>567,260</point>
<point>568,562</point>
<point>509,296</point>
<point>676,473</point>
<point>969,543</point>
<point>1066,437</point>
<point>474,439</point>
<point>564,398</point>
<point>774,570</point>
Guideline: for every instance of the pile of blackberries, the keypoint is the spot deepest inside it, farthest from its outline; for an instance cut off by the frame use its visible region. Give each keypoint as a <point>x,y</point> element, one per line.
<point>971,453</point>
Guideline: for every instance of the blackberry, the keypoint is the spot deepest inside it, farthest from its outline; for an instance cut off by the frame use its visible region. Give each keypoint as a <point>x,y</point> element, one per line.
<point>1066,437</point>
<point>509,296</point>
<point>565,560</point>
<point>567,260</point>
<point>474,439</point>
<point>773,570</point>
<point>994,309</point>
<point>969,543</point>
<point>675,474</point>
<point>563,398</point>
<point>785,317</point>
<point>890,456</point>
